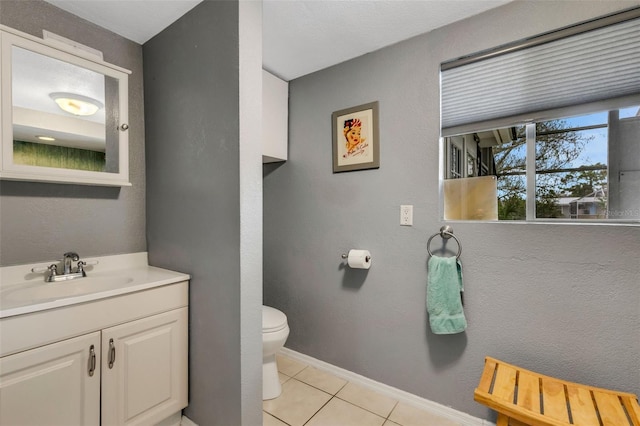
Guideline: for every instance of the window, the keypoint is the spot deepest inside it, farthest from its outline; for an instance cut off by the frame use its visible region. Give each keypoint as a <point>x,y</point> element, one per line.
<point>585,167</point>
<point>554,119</point>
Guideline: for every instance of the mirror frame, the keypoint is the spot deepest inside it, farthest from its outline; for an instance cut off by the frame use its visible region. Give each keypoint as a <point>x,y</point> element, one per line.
<point>10,37</point>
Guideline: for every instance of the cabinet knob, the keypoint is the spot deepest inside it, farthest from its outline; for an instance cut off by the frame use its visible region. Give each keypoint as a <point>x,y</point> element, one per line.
<point>124,127</point>
<point>112,353</point>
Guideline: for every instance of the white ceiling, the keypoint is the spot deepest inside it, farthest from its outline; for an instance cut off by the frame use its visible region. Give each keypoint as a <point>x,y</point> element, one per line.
<point>299,36</point>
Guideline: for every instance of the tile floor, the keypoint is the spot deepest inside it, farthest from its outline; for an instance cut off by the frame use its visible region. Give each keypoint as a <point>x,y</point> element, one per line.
<point>313,397</point>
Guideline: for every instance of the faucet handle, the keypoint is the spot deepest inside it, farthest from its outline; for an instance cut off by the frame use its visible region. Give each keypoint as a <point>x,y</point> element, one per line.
<point>38,269</point>
<point>83,263</point>
<point>52,269</point>
<point>80,269</point>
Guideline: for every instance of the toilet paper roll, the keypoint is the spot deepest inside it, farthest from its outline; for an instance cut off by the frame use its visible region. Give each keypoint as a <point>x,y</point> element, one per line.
<point>359,259</point>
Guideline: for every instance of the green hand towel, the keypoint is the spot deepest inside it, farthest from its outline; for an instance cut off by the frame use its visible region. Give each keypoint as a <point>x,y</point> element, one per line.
<point>444,301</point>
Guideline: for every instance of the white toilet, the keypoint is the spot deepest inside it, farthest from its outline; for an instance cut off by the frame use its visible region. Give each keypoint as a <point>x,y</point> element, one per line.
<point>274,333</point>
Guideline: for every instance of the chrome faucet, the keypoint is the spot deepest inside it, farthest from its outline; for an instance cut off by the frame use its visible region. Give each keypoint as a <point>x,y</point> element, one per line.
<point>69,257</point>
<point>67,273</point>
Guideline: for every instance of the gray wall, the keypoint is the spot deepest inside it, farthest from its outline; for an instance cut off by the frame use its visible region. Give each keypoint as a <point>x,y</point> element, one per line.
<point>194,85</point>
<point>40,221</point>
<point>564,300</point>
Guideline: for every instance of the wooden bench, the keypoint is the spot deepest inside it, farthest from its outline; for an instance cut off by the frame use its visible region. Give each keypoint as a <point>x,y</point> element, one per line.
<point>523,397</point>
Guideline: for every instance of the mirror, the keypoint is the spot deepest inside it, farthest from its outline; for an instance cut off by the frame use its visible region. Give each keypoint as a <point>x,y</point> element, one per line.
<point>64,114</point>
<point>578,168</point>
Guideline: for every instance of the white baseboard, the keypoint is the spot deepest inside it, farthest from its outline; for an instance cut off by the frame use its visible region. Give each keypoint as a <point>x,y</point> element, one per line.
<point>186,421</point>
<point>397,394</point>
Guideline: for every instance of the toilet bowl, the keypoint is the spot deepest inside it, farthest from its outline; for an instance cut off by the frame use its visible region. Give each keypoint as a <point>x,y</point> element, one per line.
<point>275,331</point>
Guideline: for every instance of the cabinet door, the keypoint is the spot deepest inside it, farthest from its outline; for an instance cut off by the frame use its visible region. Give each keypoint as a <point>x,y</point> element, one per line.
<point>53,384</point>
<point>275,118</point>
<point>144,369</point>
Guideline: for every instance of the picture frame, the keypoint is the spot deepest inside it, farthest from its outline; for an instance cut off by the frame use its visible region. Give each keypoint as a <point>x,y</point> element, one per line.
<point>356,144</point>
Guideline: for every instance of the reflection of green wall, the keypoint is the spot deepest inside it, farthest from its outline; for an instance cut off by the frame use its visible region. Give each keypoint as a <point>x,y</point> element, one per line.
<point>36,154</point>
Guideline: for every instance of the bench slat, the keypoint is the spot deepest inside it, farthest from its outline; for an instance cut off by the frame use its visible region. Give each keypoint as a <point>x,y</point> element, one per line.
<point>610,409</point>
<point>529,391</point>
<point>633,408</point>
<point>582,408</point>
<point>505,383</point>
<point>487,375</point>
<point>554,401</point>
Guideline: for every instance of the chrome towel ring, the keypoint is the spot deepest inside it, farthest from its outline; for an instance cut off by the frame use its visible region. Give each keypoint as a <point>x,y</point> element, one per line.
<point>446,232</point>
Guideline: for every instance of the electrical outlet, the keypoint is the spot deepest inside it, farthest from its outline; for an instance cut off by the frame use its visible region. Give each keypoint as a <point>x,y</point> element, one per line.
<point>406,215</point>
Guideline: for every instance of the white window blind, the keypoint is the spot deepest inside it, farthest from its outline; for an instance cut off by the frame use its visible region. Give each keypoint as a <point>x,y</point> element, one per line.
<point>587,67</point>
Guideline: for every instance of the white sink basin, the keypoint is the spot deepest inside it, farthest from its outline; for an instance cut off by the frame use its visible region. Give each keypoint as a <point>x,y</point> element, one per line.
<point>23,292</point>
<point>44,291</point>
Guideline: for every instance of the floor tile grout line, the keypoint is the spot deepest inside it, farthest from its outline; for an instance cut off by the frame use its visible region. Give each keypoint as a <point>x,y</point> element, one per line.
<point>350,403</point>
<point>390,412</point>
<point>385,418</point>
<point>276,417</point>
<point>315,387</point>
<point>298,380</point>
<point>346,401</point>
<point>369,411</point>
<point>319,409</point>
<point>335,395</point>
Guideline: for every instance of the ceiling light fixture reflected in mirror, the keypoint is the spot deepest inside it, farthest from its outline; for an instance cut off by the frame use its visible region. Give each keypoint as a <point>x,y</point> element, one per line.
<point>76,104</point>
<point>46,138</point>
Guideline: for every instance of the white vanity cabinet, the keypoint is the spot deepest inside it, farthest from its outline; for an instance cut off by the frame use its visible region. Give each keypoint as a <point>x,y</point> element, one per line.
<point>120,360</point>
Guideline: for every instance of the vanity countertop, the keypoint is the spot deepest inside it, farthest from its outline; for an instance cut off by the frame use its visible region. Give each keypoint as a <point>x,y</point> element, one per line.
<point>23,292</point>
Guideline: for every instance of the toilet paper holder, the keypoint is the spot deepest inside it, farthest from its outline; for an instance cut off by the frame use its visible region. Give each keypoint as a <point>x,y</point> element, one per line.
<point>358,259</point>
<point>344,256</point>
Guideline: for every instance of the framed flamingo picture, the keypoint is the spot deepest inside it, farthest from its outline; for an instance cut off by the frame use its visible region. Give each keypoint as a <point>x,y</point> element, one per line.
<point>355,138</point>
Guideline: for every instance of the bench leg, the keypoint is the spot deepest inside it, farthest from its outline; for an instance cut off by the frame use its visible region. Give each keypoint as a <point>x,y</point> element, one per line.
<point>502,420</point>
